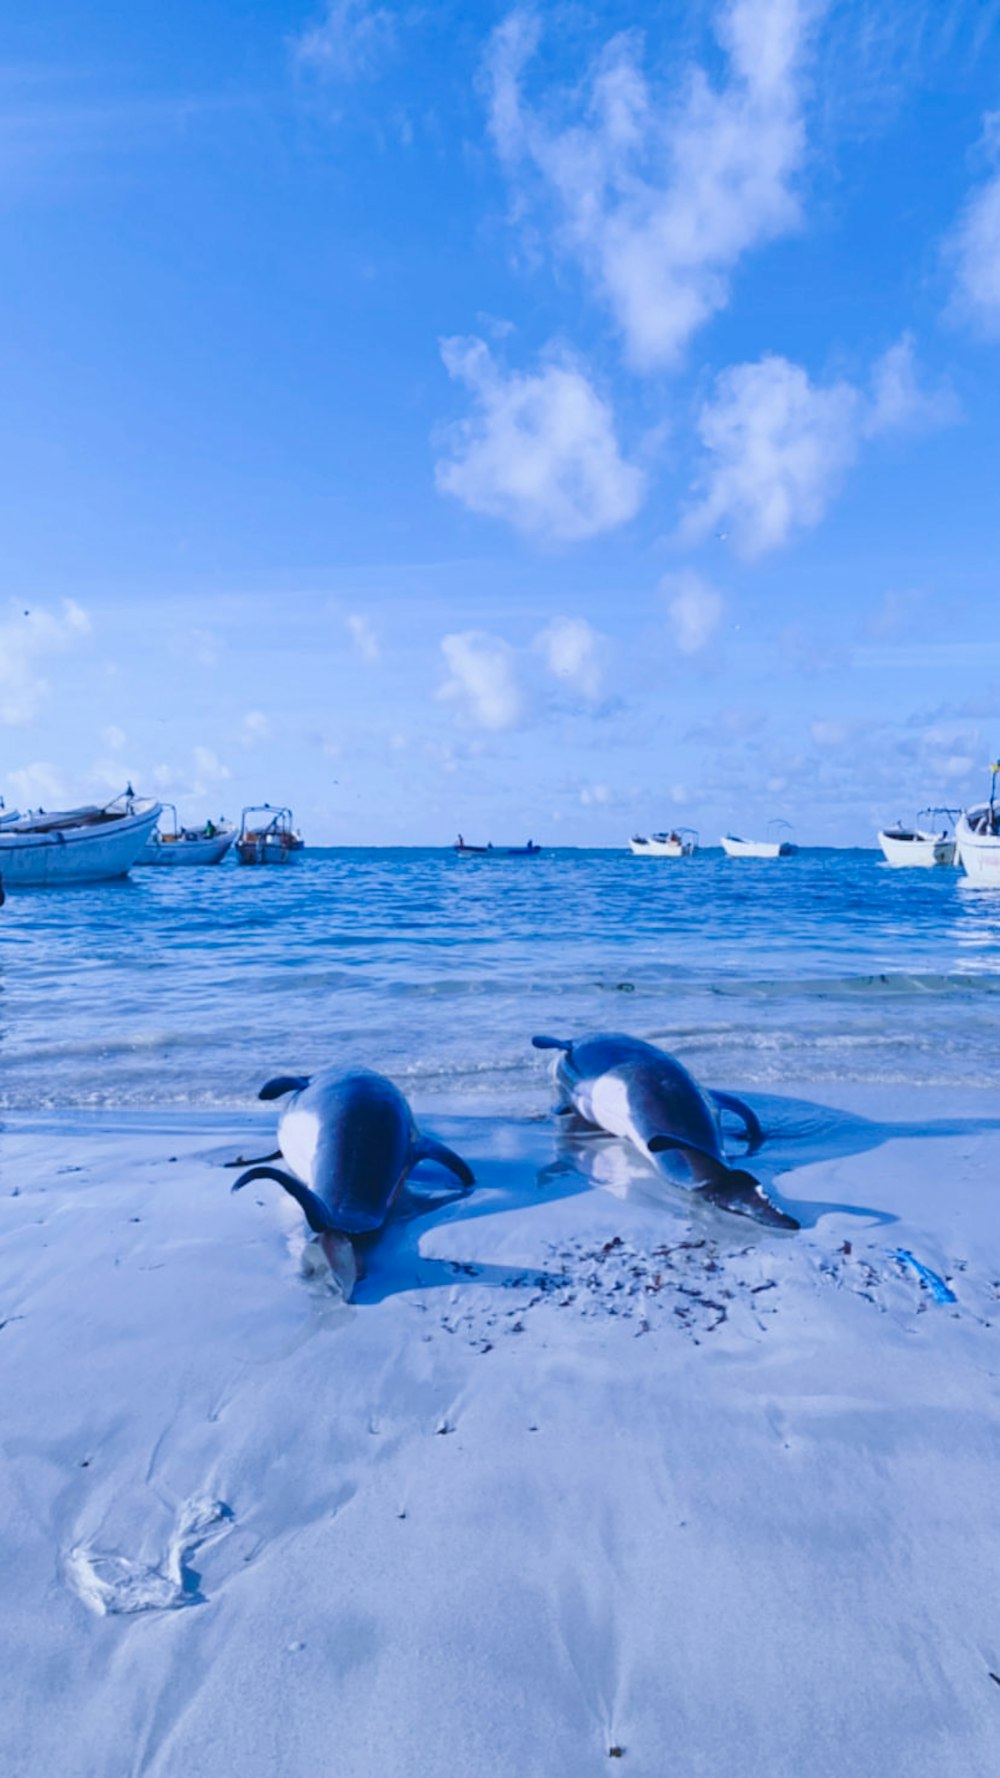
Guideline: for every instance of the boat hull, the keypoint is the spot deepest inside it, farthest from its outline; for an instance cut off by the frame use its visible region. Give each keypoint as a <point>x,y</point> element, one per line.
<point>923,850</point>
<point>661,848</point>
<point>737,848</point>
<point>979,853</point>
<point>172,853</point>
<point>74,855</point>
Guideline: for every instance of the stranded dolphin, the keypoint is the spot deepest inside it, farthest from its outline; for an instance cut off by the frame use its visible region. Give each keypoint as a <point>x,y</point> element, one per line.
<point>350,1141</point>
<point>632,1089</point>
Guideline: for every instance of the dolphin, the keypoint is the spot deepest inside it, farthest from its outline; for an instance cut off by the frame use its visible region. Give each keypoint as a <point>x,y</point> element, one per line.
<point>350,1141</point>
<point>632,1089</point>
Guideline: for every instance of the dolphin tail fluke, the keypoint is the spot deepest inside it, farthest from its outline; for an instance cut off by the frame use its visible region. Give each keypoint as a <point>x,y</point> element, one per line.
<point>282,1084</point>
<point>552,1043</point>
<point>314,1210</point>
<point>751,1122</point>
<point>426,1149</point>
<point>740,1193</point>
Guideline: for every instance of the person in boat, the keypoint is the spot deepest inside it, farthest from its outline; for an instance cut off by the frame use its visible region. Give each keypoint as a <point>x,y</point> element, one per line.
<point>210,830</point>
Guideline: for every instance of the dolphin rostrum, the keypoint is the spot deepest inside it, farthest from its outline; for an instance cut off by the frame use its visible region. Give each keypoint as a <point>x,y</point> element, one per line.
<point>350,1141</point>
<point>632,1089</point>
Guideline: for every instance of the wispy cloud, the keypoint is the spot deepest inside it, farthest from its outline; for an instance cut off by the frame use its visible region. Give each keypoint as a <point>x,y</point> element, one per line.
<point>483,680</point>
<point>350,41</point>
<point>541,451</point>
<point>658,194</point>
<point>362,634</point>
<point>778,446</point>
<point>695,608</point>
<point>256,727</point>
<point>27,637</point>
<point>900,401</point>
<point>974,247</point>
<point>571,649</point>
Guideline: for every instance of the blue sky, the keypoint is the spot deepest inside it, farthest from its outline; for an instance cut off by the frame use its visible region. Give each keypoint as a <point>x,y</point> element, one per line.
<point>557,422</point>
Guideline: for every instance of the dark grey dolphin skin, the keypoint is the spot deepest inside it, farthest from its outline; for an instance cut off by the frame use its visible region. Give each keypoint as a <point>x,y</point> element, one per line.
<point>632,1089</point>
<point>350,1141</point>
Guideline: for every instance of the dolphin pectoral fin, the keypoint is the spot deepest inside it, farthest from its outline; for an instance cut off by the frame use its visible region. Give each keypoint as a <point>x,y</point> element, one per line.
<point>660,1144</point>
<point>426,1149</point>
<point>743,1195</point>
<point>314,1210</point>
<point>282,1084</point>
<point>751,1122</point>
<point>552,1043</point>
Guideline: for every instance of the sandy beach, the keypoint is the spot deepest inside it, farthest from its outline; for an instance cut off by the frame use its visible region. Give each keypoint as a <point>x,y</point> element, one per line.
<point>584,1473</point>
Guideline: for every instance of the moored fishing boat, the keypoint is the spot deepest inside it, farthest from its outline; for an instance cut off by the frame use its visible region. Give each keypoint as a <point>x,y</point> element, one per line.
<point>85,845</point>
<point>268,836</point>
<point>679,842</point>
<point>531,850</point>
<point>920,845</point>
<point>977,836</point>
<point>188,845</point>
<point>778,844</point>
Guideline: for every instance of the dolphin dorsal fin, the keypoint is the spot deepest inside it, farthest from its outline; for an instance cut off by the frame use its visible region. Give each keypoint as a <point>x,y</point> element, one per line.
<point>552,1043</point>
<point>282,1084</point>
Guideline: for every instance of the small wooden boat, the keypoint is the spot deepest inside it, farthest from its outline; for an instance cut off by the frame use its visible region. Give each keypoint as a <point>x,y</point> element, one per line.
<point>680,842</point>
<point>977,837</point>
<point>920,845</point>
<point>268,836</point>
<point>773,847</point>
<point>491,851</point>
<point>85,845</point>
<point>188,845</point>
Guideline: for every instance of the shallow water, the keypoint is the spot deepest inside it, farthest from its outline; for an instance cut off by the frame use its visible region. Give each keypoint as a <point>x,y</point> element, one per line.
<point>190,988</point>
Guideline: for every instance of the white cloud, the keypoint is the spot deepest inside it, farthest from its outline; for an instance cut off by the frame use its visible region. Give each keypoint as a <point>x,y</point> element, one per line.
<point>974,247</point>
<point>36,786</point>
<point>256,727</point>
<point>659,194</point>
<point>362,633</point>
<point>209,771</point>
<point>26,637</point>
<point>483,680</point>
<point>899,401</point>
<point>113,737</point>
<point>695,608</point>
<point>541,452</point>
<point>778,445</point>
<point>571,648</point>
<point>350,41</point>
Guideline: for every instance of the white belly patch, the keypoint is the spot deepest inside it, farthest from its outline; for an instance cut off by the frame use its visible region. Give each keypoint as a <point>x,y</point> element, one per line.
<point>298,1135</point>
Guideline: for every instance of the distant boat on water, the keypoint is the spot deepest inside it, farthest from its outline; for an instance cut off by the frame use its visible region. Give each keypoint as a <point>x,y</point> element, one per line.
<point>85,845</point>
<point>679,842</point>
<point>777,844</point>
<point>491,851</point>
<point>268,836</point>
<point>977,836</point>
<point>921,845</point>
<point>188,845</point>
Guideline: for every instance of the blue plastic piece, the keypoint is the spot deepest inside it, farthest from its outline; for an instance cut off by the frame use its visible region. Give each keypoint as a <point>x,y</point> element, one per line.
<point>940,1291</point>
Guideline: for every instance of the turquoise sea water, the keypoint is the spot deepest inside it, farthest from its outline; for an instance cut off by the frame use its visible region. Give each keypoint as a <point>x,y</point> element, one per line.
<point>191,987</point>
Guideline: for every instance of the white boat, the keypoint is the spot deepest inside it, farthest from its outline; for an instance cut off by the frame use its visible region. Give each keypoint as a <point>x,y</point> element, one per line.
<point>87,845</point>
<point>188,845</point>
<point>267,836</point>
<point>773,847</point>
<point>978,839</point>
<point>921,845</point>
<point>680,842</point>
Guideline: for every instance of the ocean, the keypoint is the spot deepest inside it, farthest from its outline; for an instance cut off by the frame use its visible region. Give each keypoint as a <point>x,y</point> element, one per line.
<point>173,989</point>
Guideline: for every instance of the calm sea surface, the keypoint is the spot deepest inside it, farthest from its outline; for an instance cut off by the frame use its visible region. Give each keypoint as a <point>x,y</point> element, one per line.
<point>192,987</point>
